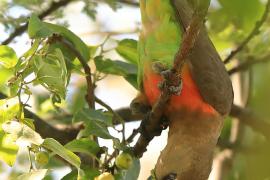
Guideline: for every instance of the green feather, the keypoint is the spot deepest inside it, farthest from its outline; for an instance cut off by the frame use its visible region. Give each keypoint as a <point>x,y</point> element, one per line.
<point>161,34</point>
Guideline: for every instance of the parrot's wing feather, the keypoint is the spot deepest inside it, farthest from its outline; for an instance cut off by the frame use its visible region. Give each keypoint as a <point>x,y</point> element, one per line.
<point>207,68</point>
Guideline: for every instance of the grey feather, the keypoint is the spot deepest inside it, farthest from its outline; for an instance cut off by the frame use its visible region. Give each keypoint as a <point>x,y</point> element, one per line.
<point>207,68</point>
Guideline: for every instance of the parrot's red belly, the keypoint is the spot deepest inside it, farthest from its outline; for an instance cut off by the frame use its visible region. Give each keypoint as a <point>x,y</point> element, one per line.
<point>189,98</point>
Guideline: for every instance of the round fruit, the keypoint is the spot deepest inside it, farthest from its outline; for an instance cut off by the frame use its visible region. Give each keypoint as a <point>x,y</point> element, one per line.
<point>105,176</point>
<point>42,158</point>
<point>123,161</point>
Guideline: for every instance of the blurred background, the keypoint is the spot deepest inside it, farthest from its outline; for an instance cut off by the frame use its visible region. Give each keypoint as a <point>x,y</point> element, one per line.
<point>243,151</point>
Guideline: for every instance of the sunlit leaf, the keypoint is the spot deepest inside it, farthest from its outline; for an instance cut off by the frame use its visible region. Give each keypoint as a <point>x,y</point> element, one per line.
<point>87,115</point>
<point>84,145</point>
<point>37,29</point>
<point>8,57</point>
<point>61,151</point>
<point>51,72</point>
<point>127,48</point>
<point>22,132</point>
<point>33,175</point>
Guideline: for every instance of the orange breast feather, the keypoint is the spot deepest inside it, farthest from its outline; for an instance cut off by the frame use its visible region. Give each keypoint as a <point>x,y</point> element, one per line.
<point>189,98</point>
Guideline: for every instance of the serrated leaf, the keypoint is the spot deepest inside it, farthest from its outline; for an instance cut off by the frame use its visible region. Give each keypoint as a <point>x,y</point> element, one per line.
<point>8,57</point>
<point>33,175</point>
<point>84,145</point>
<point>61,151</point>
<point>37,29</point>
<point>127,48</point>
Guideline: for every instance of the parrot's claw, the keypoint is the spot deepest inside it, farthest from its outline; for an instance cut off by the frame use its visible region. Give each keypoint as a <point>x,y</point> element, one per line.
<point>138,107</point>
<point>166,74</point>
<point>171,176</point>
<point>176,90</point>
<point>158,67</point>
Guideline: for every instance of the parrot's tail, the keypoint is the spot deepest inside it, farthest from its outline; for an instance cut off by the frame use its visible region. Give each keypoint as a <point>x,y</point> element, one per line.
<point>189,150</point>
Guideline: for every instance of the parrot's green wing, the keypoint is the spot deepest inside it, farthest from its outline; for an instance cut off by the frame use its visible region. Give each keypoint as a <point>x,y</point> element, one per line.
<point>161,34</point>
<point>207,68</point>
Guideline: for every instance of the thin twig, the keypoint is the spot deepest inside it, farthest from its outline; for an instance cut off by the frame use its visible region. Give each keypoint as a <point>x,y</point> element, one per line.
<point>118,117</point>
<point>20,30</point>
<point>249,63</point>
<point>90,98</point>
<point>253,33</point>
<point>153,120</point>
<point>128,140</point>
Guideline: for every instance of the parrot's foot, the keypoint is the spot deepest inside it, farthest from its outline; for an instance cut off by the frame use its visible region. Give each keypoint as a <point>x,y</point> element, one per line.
<point>145,132</point>
<point>138,106</point>
<point>171,82</point>
<point>158,67</point>
<point>171,176</point>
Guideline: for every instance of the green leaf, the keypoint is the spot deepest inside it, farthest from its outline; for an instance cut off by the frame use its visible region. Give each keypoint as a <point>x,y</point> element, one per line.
<point>29,122</point>
<point>51,72</point>
<point>22,133</point>
<point>108,66</point>
<point>33,175</point>
<point>8,148</point>
<point>87,115</point>
<point>120,68</point>
<point>37,29</point>
<point>84,145</point>
<point>70,36</point>
<point>96,123</point>
<point>61,151</point>
<point>127,48</point>
<point>9,109</point>
<point>133,172</point>
<point>8,57</point>
<point>132,79</point>
<point>232,11</point>
<point>95,128</point>
<point>87,174</point>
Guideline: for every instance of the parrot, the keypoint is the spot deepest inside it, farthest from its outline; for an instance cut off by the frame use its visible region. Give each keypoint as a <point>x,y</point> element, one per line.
<point>196,115</point>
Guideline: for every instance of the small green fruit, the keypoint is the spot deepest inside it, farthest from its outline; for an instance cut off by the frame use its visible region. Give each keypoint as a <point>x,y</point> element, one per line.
<point>123,161</point>
<point>105,176</point>
<point>42,158</point>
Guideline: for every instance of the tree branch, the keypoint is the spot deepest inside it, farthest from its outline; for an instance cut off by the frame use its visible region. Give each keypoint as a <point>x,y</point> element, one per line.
<point>20,30</point>
<point>47,130</point>
<point>148,131</point>
<point>249,63</point>
<point>251,119</point>
<point>90,97</point>
<point>130,3</point>
<point>253,33</point>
